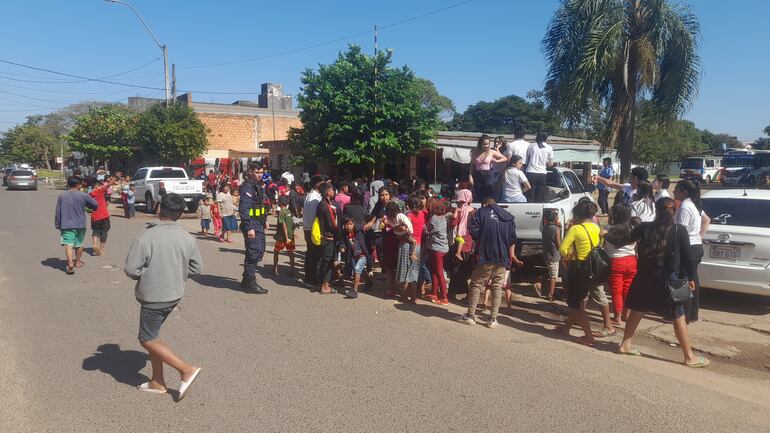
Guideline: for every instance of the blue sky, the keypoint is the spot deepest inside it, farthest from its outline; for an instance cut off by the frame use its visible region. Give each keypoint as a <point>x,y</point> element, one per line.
<point>481,50</point>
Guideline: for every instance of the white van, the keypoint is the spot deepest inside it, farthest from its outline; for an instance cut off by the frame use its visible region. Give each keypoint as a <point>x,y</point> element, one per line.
<point>700,168</point>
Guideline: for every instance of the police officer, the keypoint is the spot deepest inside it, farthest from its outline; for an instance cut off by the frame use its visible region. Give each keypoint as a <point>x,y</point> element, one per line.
<point>253,218</point>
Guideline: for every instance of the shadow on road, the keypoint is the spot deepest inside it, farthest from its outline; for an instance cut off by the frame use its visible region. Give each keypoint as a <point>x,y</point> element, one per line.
<point>56,263</point>
<point>218,282</point>
<point>738,303</point>
<point>122,365</point>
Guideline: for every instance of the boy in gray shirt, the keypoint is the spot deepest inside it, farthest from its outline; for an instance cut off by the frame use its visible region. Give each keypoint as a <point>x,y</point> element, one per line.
<point>161,260</point>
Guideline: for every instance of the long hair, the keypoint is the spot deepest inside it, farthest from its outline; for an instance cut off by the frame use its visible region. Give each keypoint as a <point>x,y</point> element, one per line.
<point>480,143</point>
<point>665,209</point>
<point>645,193</point>
<point>541,138</point>
<point>514,159</point>
<point>692,190</point>
<point>500,143</point>
<point>620,219</point>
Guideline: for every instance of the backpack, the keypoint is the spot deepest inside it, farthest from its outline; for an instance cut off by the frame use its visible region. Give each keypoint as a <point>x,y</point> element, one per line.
<point>595,268</point>
<point>315,233</point>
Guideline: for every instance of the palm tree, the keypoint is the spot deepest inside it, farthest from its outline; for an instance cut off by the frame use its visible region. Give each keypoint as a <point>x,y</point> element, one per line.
<point>612,53</point>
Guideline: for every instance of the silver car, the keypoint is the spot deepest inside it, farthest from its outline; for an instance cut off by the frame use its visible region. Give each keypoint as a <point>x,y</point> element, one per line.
<point>22,179</point>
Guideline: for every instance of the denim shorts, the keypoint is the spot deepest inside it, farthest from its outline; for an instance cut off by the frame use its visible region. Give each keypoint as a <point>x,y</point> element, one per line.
<point>229,223</point>
<point>360,265</point>
<point>150,320</point>
<point>205,224</point>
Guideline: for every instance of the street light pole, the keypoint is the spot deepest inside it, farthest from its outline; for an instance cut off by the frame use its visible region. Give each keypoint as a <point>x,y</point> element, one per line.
<point>163,47</point>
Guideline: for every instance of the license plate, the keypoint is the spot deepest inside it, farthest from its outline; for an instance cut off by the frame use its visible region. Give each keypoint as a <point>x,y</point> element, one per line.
<point>22,184</point>
<point>725,252</point>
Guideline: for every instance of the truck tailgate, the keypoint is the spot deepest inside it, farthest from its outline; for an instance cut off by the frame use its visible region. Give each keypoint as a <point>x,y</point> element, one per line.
<point>529,217</point>
<point>184,187</point>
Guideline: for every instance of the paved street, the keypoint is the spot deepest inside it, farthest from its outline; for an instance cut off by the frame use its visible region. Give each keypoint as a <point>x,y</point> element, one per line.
<point>296,361</point>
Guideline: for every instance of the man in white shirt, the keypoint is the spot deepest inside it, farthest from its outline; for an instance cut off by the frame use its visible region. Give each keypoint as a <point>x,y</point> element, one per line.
<point>627,189</point>
<point>519,145</point>
<point>309,208</point>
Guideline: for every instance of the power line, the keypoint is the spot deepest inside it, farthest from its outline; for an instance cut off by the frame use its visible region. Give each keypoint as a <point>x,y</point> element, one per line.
<point>84,80</point>
<point>333,41</point>
<point>136,86</point>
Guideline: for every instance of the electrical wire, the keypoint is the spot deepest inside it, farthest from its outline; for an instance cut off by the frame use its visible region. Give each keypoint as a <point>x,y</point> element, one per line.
<point>81,81</point>
<point>329,42</point>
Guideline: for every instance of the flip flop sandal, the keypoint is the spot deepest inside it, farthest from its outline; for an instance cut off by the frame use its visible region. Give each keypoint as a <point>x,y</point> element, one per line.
<point>70,270</point>
<point>603,333</point>
<point>702,362</point>
<point>184,387</point>
<point>145,387</point>
<point>632,352</point>
<point>580,340</point>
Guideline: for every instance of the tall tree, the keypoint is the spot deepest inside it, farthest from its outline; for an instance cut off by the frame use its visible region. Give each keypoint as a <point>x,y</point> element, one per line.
<point>658,143</point>
<point>106,132</point>
<point>359,110</point>
<point>501,115</point>
<point>29,143</point>
<point>431,98</point>
<point>171,134</point>
<point>613,52</point>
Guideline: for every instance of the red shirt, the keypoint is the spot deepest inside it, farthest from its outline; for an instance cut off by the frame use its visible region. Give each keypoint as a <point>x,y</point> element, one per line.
<point>212,179</point>
<point>101,212</point>
<point>418,224</point>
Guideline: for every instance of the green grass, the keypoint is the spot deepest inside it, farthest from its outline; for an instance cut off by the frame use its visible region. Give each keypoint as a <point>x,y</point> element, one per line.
<point>50,174</point>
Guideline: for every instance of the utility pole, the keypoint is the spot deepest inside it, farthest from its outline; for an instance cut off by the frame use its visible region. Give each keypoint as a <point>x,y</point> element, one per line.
<point>173,82</point>
<point>374,118</point>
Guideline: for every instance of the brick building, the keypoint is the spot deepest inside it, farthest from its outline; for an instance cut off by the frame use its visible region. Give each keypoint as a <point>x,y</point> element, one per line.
<point>244,129</point>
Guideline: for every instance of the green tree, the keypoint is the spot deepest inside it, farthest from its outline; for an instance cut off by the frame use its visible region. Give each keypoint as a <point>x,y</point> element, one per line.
<point>714,141</point>
<point>171,134</point>
<point>500,116</point>
<point>763,142</point>
<point>358,110</point>
<point>29,143</point>
<point>613,52</point>
<point>106,132</point>
<point>431,98</point>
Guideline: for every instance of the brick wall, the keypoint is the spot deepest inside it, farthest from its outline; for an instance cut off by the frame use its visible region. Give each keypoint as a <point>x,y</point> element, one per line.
<point>231,132</point>
<point>282,125</point>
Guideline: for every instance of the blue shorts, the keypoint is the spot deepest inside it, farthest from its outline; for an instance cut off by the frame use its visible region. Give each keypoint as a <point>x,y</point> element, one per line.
<point>205,224</point>
<point>360,265</point>
<point>229,223</point>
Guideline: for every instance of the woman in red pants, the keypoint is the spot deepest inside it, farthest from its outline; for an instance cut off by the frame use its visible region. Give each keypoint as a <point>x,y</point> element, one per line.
<point>623,265</point>
<point>437,245</point>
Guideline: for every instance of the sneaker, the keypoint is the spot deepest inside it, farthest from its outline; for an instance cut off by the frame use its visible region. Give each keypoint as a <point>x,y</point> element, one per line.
<point>468,320</point>
<point>492,323</point>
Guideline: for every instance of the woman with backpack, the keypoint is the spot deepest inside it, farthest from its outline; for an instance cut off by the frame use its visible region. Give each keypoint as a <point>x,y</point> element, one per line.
<point>578,243</point>
<point>664,262</point>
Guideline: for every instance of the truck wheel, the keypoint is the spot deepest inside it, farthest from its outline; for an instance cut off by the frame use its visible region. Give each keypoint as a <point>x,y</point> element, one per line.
<point>149,203</point>
<point>192,206</point>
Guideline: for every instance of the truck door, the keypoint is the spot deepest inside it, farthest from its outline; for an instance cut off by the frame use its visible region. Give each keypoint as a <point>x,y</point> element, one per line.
<point>138,179</point>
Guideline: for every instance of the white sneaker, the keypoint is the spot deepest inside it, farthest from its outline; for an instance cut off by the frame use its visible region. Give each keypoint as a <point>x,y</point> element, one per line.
<point>468,320</point>
<point>492,323</point>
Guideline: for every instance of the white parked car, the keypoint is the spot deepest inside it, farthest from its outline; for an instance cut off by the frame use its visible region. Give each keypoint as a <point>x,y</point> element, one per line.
<point>736,247</point>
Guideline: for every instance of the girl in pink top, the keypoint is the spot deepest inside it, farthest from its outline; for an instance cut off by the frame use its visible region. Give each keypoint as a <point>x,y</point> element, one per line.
<point>482,175</point>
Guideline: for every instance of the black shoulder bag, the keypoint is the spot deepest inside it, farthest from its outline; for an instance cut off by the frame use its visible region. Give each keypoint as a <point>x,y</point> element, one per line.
<point>596,266</point>
<point>679,292</point>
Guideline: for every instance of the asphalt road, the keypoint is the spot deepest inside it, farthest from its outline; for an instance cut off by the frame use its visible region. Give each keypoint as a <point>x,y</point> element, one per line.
<point>296,361</point>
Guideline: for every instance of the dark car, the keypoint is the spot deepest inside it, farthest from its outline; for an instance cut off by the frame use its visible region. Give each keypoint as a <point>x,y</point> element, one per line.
<point>6,173</point>
<point>22,179</point>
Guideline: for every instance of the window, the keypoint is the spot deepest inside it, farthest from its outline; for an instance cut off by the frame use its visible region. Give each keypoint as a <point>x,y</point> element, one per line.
<point>574,184</point>
<point>168,173</point>
<point>738,211</point>
<point>554,179</point>
<point>22,173</point>
<point>140,174</point>
<point>710,163</point>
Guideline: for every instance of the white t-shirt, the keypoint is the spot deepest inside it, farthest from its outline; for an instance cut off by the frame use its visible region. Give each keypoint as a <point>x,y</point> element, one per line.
<point>403,220</point>
<point>644,210</point>
<point>688,216</point>
<point>513,178</point>
<point>662,194</point>
<point>518,147</point>
<point>226,205</point>
<point>537,158</point>
<point>309,209</point>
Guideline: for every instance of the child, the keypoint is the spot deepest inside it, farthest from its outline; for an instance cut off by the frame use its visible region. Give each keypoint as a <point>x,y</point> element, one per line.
<point>216,218</point>
<point>407,263</point>
<point>161,260</point>
<point>437,244</point>
<point>204,213</point>
<point>551,243</point>
<point>124,188</point>
<point>354,245</point>
<point>284,235</point>
<point>404,231</point>
<point>623,260</point>
<point>131,200</point>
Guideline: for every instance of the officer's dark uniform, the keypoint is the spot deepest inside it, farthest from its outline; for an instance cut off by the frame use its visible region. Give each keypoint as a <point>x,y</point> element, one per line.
<point>253,216</point>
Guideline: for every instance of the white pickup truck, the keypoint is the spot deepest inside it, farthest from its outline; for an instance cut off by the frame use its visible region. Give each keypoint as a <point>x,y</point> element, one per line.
<point>149,180</point>
<point>564,189</point>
